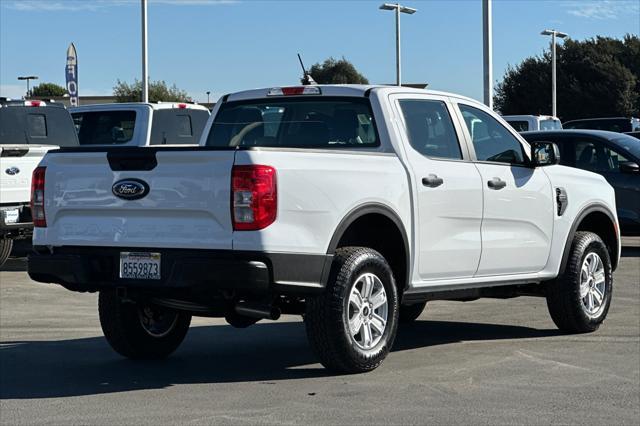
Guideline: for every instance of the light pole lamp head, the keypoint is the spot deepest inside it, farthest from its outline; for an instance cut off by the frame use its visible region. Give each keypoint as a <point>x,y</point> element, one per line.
<point>28,77</point>
<point>552,32</point>
<point>394,6</point>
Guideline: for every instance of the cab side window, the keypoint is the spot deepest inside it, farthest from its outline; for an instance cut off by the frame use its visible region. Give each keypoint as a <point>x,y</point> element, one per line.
<point>491,140</point>
<point>430,129</point>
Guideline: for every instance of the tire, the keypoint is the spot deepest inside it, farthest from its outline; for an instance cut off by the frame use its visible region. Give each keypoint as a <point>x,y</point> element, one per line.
<point>327,318</point>
<point>569,301</point>
<point>122,325</point>
<point>5,250</point>
<point>410,313</point>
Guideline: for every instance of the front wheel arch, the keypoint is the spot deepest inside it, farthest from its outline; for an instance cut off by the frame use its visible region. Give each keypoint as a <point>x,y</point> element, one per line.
<point>598,219</point>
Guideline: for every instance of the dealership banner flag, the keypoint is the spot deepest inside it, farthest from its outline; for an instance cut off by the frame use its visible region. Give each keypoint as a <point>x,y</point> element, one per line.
<point>71,72</point>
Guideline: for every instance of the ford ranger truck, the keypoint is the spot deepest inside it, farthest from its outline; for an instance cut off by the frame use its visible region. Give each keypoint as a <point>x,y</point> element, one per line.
<point>28,129</point>
<point>352,206</point>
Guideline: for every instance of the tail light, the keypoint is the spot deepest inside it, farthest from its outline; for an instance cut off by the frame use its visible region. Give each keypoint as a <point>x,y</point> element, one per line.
<point>254,201</point>
<point>37,197</point>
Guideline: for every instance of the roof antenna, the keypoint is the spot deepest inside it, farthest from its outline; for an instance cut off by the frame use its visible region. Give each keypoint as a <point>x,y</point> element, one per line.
<point>307,80</point>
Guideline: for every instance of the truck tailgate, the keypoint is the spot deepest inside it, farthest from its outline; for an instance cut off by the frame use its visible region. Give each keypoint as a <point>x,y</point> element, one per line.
<point>16,166</point>
<point>186,204</point>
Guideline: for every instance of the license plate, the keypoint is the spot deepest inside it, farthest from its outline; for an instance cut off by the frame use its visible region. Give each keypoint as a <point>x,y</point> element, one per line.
<point>11,216</point>
<point>140,265</point>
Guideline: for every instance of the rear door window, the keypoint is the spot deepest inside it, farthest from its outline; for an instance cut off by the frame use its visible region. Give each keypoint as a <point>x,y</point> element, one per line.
<point>104,127</point>
<point>317,122</point>
<point>430,129</point>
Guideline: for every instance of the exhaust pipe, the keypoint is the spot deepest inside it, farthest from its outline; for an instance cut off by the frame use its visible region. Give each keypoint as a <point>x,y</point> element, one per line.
<point>257,310</point>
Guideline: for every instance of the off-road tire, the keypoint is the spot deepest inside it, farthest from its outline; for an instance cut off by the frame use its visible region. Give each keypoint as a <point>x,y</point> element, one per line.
<point>410,313</point>
<point>5,250</point>
<point>563,294</point>
<point>123,329</point>
<point>326,326</point>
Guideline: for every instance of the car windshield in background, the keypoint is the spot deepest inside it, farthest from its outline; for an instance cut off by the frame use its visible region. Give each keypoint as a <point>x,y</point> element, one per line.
<point>550,125</point>
<point>629,144</point>
<point>610,124</point>
<point>295,123</point>
<point>104,127</point>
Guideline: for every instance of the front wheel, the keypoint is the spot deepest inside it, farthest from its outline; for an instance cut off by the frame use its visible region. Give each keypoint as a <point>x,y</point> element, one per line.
<point>352,326</point>
<point>579,299</point>
<point>140,330</point>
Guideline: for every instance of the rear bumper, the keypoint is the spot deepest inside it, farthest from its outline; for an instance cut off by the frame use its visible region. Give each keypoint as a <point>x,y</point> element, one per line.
<point>21,229</point>
<point>255,273</point>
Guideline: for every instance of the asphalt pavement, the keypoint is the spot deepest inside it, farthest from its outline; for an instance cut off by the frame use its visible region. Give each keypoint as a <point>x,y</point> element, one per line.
<point>482,362</point>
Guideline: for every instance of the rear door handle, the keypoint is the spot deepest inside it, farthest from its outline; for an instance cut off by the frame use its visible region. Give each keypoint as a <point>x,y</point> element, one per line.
<point>432,181</point>
<point>496,183</point>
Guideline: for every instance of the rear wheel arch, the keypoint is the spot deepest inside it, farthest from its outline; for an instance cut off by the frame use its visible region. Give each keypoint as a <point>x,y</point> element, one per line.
<point>389,237</point>
<point>598,219</point>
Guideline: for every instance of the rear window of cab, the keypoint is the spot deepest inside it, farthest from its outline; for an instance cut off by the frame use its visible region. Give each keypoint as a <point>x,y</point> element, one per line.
<point>295,122</point>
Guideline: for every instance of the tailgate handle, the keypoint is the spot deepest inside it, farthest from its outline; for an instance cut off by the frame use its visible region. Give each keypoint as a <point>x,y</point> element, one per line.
<point>132,160</point>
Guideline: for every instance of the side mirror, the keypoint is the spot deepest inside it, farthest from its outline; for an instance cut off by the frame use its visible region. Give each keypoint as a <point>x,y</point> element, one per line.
<point>629,167</point>
<point>544,154</point>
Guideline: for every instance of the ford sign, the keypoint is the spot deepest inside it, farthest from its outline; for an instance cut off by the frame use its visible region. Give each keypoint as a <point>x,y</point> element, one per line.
<point>130,189</point>
<point>12,171</point>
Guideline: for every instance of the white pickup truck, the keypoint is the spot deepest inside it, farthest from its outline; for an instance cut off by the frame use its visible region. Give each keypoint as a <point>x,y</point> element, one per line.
<point>350,205</point>
<point>140,124</point>
<point>28,129</point>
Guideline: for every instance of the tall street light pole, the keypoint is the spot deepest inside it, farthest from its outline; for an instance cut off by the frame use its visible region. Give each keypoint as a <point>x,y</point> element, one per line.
<point>208,93</point>
<point>487,53</point>
<point>398,9</point>
<point>28,78</point>
<point>553,34</point>
<point>145,77</point>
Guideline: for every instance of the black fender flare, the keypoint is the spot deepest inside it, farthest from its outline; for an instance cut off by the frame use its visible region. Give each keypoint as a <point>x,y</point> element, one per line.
<point>591,208</point>
<point>371,208</point>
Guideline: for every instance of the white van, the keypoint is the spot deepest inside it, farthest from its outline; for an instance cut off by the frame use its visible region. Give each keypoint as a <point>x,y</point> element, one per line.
<point>526,123</point>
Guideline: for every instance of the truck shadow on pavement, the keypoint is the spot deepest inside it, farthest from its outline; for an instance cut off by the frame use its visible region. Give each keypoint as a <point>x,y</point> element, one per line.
<point>265,352</point>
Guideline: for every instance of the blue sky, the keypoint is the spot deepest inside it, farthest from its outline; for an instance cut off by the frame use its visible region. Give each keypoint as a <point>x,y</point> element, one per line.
<point>225,45</point>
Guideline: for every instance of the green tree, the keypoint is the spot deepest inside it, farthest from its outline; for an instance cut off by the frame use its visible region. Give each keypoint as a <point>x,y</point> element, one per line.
<point>158,91</point>
<point>333,71</point>
<point>597,77</point>
<point>48,89</point>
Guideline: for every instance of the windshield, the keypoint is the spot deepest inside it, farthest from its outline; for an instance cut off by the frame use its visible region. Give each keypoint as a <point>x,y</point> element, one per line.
<point>610,124</point>
<point>327,122</point>
<point>629,144</point>
<point>104,127</point>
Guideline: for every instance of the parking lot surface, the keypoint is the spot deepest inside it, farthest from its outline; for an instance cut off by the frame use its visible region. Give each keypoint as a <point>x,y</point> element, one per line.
<point>483,362</point>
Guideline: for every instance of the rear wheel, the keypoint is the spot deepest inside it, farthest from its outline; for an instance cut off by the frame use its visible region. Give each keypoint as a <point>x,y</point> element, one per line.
<point>410,313</point>
<point>352,326</point>
<point>579,299</point>
<point>141,330</point>
<point>5,250</point>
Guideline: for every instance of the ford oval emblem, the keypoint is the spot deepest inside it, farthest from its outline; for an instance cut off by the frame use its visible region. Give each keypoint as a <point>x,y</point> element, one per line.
<point>12,171</point>
<point>130,189</point>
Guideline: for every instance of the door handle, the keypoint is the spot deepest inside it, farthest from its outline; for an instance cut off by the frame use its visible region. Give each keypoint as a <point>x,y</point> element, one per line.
<point>432,181</point>
<point>496,183</point>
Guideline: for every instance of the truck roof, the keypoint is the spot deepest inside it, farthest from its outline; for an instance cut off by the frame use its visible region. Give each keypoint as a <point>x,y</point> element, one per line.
<point>343,90</point>
<point>526,116</point>
<point>133,105</point>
